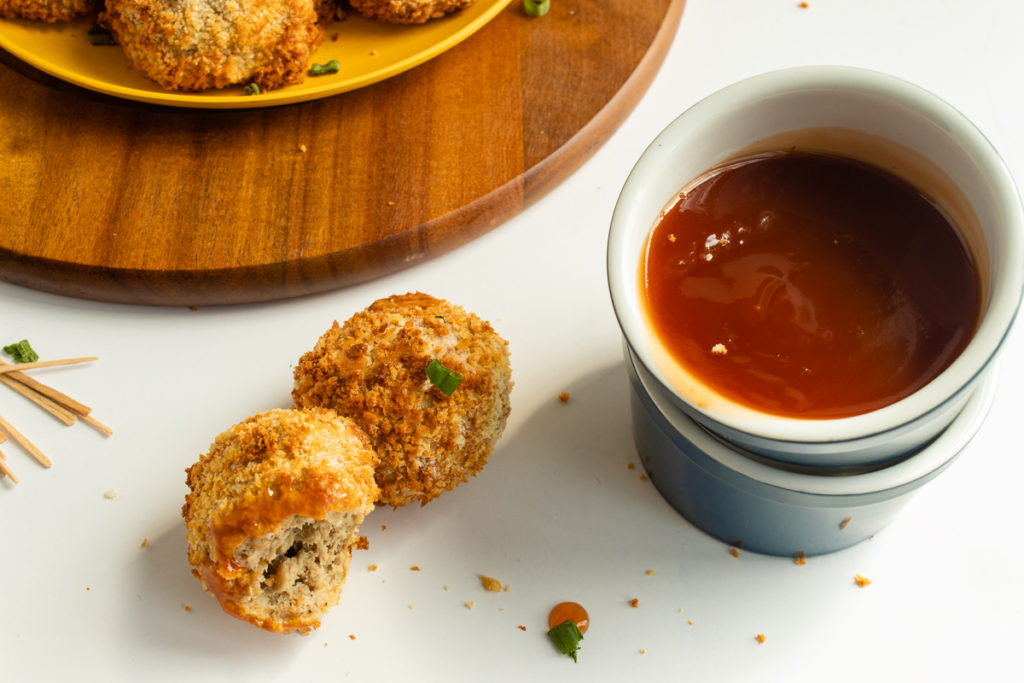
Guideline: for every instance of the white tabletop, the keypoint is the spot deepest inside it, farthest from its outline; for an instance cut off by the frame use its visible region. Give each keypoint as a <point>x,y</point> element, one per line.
<point>556,514</point>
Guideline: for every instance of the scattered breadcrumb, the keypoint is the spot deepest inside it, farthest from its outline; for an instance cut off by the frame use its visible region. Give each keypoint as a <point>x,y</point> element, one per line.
<point>362,543</point>
<point>861,581</point>
<point>372,568</point>
<point>110,494</point>
<point>383,527</point>
<point>187,608</point>
<point>846,521</point>
<point>325,643</point>
<point>635,602</point>
<point>521,627</point>
<point>351,636</point>
<point>410,606</point>
<point>414,568</point>
<point>564,397</point>
<point>719,349</point>
<point>649,572</point>
<point>643,651</point>
<point>690,622</point>
<point>734,552</point>
<point>303,148</point>
<point>643,477</point>
<point>760,638</point>
<point>447,587</point>
<point>631,465</point>
<point>470,604</point>
<point>145,542</point>
<point>490,583</point>
<point>803,5</point>
<point>798,558</point>
<point>672,237</point>
<point>507,587</point>
<point>88,588</point>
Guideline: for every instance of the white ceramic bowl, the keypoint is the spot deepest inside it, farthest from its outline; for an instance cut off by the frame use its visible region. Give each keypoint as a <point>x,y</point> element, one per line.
<point>861,114</point>
<point>773,508</point>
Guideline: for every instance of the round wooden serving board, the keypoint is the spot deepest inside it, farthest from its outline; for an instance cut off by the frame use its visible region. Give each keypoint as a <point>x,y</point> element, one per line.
<point>118,201</point>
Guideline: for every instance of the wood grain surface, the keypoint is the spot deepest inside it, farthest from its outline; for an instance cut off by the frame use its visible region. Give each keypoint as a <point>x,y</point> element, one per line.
<point>117,201</point>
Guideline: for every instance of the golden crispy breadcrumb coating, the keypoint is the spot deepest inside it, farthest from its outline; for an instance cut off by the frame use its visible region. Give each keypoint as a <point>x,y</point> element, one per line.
<point>47,10</point>
<point>408,11</point>
<point>199,44</point>
<point>373,369</point>
<point>273,513</point>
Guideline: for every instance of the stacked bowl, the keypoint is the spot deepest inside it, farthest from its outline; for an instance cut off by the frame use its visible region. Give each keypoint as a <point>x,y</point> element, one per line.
<point>776,481</point>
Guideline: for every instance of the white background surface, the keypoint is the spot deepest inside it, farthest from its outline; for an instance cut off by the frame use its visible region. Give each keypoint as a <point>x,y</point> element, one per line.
<point>556,514</point>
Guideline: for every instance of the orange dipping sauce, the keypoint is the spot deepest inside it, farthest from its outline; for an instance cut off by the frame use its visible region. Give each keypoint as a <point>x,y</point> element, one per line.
<point>809,285</point>
<point>569,610</point>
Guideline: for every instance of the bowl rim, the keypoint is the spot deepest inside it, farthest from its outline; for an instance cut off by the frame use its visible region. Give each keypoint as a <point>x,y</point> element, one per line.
<point>998,314</point>
<point>946,447</point>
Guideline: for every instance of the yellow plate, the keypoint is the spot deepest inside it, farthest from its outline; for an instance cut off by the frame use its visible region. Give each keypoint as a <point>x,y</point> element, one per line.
<point>368,51</point>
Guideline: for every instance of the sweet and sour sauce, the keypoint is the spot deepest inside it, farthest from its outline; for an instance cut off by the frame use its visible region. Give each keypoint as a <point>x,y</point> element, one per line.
<point>809,285</point>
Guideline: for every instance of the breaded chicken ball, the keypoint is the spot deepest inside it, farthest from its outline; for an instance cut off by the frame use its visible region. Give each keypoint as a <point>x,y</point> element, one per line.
<point>47,10</point>
<point>273,513</point>
<point>194,45</point>
<point>373,369</point>
<point>407,11</point>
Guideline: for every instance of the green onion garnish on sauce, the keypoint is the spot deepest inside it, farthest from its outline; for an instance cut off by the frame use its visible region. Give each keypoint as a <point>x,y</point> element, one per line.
<point>536,8</point>
<point>566,637</point>
<point>98,35</point>
<point>330,67</point>
<point>21,352</point>
<point>251,89</point>
<point>441,377</point>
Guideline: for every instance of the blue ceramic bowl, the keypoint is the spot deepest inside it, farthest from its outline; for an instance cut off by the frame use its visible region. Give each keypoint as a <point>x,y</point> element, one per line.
<point>775,508</point>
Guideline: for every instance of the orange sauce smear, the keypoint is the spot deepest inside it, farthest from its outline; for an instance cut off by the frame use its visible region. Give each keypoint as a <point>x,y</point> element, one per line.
<point>809,285</point>
<point>569,610</point>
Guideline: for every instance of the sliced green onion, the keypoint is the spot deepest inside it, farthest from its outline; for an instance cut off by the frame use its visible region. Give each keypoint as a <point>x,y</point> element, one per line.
<point>251,89</point>
<point>535,8</point>
<point>330,67</point>
<point>98,35</point>
<point>567,638</point>
<point>441,377</point>
<point>21,352</point>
